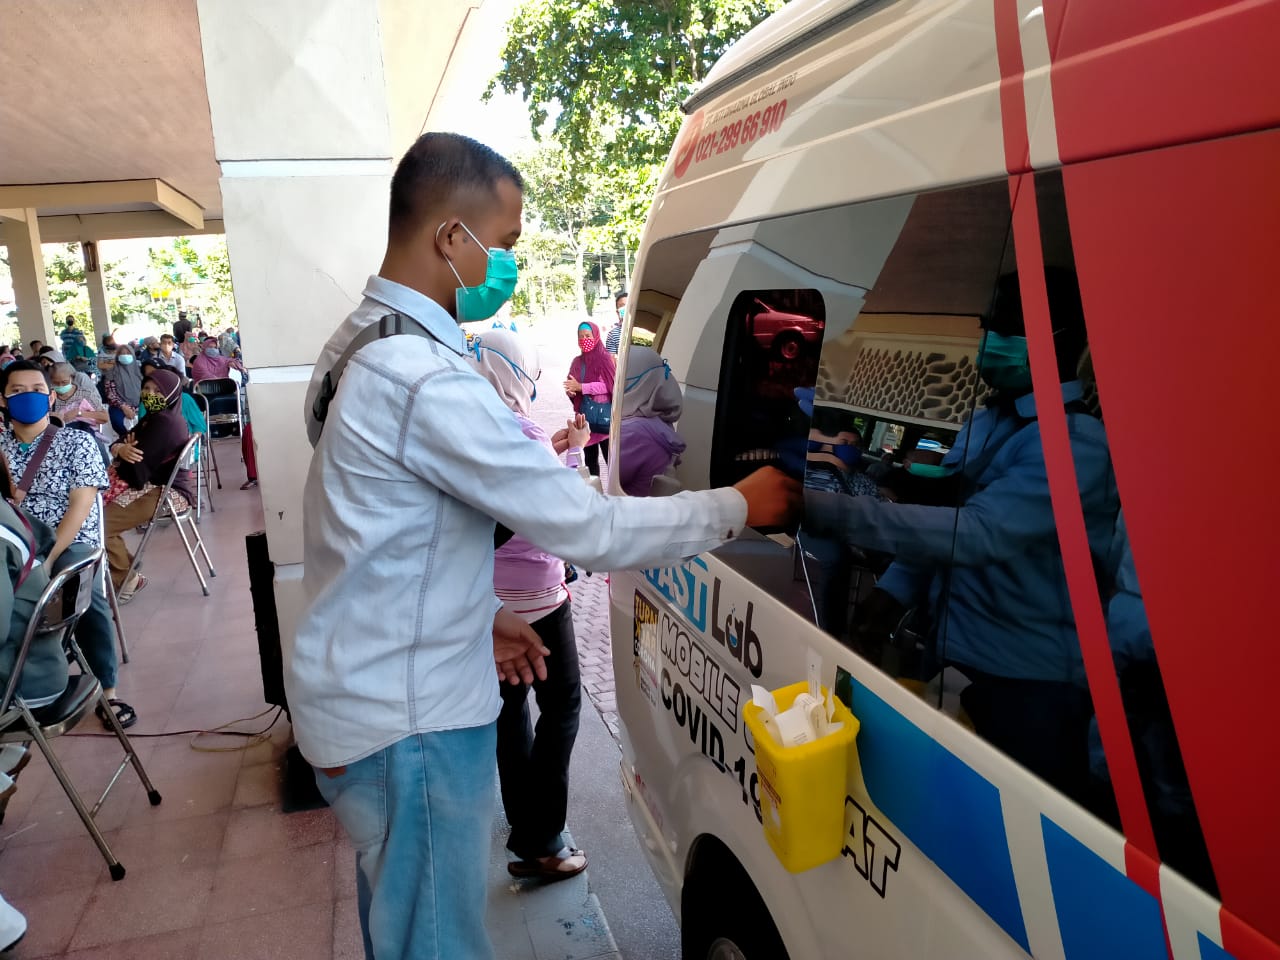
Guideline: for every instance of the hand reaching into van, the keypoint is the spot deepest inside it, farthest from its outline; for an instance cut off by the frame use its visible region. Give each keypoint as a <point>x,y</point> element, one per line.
<point>773,498</point>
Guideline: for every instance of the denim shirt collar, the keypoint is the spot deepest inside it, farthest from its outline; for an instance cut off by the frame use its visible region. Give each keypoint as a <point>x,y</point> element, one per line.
<point>1072,390</point>
<point>429,315</point>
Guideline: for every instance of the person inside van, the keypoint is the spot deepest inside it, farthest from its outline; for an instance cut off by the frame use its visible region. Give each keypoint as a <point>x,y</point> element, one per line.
<point>533,767</point>
<point>651,404</point>
<point>989,568</point>
<point>591,377</point>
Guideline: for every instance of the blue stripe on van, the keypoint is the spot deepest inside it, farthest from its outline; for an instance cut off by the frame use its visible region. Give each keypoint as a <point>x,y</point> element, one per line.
<point>950,812</point>
<point>1102,914</point>
<point>1211,951</point>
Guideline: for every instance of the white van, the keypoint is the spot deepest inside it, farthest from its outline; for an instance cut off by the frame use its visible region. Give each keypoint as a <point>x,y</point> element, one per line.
<point>1048,610</point>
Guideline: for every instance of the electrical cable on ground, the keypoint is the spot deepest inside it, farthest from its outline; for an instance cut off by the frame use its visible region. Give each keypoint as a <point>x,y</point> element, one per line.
<point>253,737</point>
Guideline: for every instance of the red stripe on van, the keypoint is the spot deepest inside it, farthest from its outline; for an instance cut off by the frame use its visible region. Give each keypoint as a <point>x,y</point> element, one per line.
<point>1241,940</point>
<point>1013,110</point>
<point>1082,583</point>
<point>1144,870</point>
<point>1174,251</point>
<point>1133,76</point>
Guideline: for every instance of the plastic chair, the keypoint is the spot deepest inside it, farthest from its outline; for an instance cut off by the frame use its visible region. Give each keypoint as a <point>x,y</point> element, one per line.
<point>166,509</point>
<point>225,408</point>
<point>63,602</point>
<point>110,588</point>
<point>207,453</point>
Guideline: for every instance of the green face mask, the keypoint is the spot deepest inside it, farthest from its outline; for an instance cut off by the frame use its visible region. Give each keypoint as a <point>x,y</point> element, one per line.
<point>1003,363</point>
<point>927,470</point>
<point>482,302</point>
<point>153,402</point>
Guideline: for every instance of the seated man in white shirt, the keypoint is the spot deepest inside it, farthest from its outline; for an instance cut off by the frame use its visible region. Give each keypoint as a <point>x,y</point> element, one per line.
<point>390,675</point>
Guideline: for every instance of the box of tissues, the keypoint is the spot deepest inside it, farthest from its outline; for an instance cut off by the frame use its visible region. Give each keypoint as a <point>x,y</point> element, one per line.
<point>804,739</point>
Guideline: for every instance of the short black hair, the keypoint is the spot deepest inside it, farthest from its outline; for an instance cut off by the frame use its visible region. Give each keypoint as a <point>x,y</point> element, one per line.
<point>46,349</point>
<point>34,342</point>
<point>17,367</point>
<point>620,295</point>
<point>435,170</point>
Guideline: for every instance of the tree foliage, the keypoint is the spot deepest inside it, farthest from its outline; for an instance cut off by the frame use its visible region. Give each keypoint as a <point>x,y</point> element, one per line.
<point>565,201</point>
<point>611,76</point>
<point>604,81</point>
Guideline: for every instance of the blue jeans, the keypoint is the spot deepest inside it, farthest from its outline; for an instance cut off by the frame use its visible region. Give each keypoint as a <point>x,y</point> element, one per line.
<point>419,814</point>
<point>96,631</point>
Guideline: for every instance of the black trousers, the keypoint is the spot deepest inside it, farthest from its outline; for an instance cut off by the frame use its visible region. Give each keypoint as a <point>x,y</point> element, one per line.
<point>533,765</point>
<point>592,456</point>
<point>1042,724</point>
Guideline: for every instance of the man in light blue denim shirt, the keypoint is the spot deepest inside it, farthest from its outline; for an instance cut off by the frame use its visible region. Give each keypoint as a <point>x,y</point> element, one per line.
<point>391,675</point>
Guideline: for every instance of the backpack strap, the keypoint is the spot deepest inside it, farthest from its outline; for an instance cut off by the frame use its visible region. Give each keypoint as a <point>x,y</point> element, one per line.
<point>33,465</point>
<point>389,325</point>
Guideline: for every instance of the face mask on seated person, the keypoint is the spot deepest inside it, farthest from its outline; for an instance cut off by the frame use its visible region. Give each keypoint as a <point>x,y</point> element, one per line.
<point>28,407</point>
<point>153,402</point>
<point>125,358</point>
<point>212,352</point>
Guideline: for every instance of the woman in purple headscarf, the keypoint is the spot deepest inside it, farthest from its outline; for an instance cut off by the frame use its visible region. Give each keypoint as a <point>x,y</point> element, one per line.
<point>591,374</point>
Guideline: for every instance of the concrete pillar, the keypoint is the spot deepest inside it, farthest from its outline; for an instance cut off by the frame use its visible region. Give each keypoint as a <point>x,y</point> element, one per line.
<point>26,263</point>
<point>303,233</point>
<point>95,279</point>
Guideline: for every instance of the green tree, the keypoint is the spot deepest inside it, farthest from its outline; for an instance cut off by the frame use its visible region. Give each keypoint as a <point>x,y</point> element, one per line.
<point>547,277</point>
<point>609,79</point>
<point>564,199</point>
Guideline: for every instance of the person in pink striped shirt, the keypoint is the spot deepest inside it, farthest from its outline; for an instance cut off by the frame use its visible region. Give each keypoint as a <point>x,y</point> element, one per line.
<point>533,766</point>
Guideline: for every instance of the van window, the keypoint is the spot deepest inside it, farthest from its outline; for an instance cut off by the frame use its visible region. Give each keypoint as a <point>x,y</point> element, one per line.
<point>1174,818</point>
<point>772,342</point>
<point>930,539</point>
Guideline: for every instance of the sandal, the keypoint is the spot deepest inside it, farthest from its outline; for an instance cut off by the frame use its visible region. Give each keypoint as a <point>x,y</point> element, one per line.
<point>249,484</point>
<point>127,592</point>
<point>550,869</point>
<point>124,713</point>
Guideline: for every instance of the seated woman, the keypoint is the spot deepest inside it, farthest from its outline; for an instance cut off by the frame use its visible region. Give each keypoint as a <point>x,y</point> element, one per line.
<point>75,398</point>
<point>651,403</point>
<point>191,412</point>
<point>211,364</point>
<point>121,385</point>
<point>143,461</point>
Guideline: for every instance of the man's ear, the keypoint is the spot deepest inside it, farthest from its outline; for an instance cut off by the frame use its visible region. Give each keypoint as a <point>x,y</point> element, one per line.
<point>449,237</point>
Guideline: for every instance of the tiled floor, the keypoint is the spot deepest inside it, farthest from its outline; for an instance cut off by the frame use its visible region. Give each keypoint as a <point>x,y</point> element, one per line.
<point>217,871</point>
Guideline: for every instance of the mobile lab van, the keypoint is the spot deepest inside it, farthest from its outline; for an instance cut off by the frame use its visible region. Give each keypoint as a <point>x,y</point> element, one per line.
<point>1067,746</point>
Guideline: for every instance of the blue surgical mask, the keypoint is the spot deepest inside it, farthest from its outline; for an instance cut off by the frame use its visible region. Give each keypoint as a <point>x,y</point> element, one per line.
<point>125,358</point>
<point>846,453</point>
<point>212,352</point>
<point>482,302</point>
<point>29,407</point>
<point>1003,362</point>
